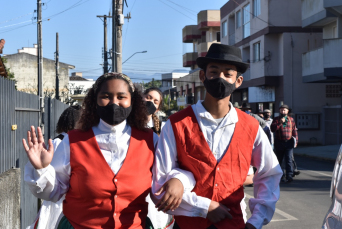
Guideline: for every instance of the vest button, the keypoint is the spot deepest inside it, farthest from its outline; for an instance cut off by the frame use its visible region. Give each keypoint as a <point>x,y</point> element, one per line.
<point>116,196</point>
<point>114,214</point>
<point>115,180</point>
<point>218,168</point>
<point>216,185</point>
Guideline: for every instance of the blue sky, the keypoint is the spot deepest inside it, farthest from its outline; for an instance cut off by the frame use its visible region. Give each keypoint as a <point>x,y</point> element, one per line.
<point>155,26</point>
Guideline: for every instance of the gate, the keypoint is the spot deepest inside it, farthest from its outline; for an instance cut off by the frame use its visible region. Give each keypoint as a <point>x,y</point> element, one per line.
<point>22,109</point>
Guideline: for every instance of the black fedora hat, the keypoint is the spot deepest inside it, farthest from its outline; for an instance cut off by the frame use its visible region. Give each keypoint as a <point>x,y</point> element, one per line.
<point>223,54</point>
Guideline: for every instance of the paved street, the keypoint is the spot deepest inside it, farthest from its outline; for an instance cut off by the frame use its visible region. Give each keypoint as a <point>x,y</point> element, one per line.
<point>304,202</point>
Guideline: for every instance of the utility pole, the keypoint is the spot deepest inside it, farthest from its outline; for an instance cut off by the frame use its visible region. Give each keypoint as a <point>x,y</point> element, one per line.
<point>120,22</point>
<point>105,53</point>
<point>40,64</point>
<point>114,37</point>
<point>57,67</point>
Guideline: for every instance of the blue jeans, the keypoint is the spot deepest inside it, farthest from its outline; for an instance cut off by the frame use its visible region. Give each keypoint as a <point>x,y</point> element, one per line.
<point>285,149</point>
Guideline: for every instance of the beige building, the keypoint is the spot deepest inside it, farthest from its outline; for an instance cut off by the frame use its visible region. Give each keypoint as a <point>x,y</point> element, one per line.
<point>272,39</point>
<point>24,66</point>
<point>201,36</point>
<point>323,64</point>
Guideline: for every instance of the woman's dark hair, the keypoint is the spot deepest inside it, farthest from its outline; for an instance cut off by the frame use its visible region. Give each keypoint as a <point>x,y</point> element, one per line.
<point>67,120</point>
<point>89,117</point>
<point>155,119</point>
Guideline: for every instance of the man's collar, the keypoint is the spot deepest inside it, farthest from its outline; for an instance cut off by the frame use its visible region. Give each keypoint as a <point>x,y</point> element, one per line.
<point>230,118</point>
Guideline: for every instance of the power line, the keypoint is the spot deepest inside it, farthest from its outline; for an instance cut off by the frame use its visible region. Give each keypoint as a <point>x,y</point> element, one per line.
<point>80,2</point>
<point>15,18</point>
<point>184,7</point>
<point>178,11</point>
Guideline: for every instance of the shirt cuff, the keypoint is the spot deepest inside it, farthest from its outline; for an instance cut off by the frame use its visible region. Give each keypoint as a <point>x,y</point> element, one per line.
<point>256,221</point>
<point>46,175</point>
<point>185,181</point>
<point>201,207</point>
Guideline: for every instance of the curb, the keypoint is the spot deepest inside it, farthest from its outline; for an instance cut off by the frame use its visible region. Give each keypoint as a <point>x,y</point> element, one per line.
<point>315,157</point>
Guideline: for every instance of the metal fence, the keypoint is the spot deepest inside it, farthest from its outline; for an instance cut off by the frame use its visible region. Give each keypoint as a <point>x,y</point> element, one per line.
<point>22,109</point>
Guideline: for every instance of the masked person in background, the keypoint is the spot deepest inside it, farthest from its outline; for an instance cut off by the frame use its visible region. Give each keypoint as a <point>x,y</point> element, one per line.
<point>154,102</point>
<point>104,167</point>
<point>285,139</point>
<point>50,212</point>
<point>218,143</point>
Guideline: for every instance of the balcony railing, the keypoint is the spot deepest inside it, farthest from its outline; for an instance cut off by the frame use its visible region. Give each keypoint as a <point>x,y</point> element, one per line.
<point>191,33</point>
<point>189,59</point>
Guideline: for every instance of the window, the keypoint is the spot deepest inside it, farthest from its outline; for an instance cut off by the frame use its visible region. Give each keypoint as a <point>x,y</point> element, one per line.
<point>224,29</point>
<point>238,19</point>
<point>218,37</point>
<point>246,21</point>
<point>256,8</point>
<point>256,52</point>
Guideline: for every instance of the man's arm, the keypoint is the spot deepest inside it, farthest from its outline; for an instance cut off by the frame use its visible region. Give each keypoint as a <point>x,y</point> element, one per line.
<point>165,165</point>
<point>266,181</point>
<point>294,130</point>
<point>275,124</point>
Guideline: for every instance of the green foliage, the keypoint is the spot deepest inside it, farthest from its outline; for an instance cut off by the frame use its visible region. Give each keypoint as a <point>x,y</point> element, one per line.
<point>153,83</point>
<point>173,104</point>
<point>8,70</point>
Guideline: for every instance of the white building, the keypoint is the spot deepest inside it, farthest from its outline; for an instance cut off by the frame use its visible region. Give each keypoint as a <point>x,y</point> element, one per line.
<point>79,86</point>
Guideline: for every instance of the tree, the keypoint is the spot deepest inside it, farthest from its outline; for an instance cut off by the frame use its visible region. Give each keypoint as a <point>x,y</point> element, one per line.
<point>153,83</point>
<point>9,73</point>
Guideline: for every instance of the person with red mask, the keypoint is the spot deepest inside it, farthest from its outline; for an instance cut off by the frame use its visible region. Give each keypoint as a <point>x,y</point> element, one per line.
<point>218,144</point>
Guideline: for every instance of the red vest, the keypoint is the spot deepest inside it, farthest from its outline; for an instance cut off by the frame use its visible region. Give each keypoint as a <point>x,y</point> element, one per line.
<point>223,181</point>
<point>98,198</point>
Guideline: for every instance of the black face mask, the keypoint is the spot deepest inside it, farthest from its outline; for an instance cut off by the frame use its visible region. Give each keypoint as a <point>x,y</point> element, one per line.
<point>150,107</point>
<point>219,88</point>
<point>113,114</point>
<point>267,116</point>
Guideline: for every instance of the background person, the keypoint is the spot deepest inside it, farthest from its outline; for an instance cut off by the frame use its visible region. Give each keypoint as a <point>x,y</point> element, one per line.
<point>154,102</point>
<point>285,139</point>
<point>50,212</point>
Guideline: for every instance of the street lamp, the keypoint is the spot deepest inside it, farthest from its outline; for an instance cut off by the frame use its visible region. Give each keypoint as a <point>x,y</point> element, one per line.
<point>133,55</point>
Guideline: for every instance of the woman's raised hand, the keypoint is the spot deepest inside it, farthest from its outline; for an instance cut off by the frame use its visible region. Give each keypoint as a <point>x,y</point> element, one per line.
<point>39,156</point>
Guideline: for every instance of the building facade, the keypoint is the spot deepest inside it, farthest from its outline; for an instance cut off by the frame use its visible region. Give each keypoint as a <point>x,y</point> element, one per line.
<point>207,31</point>
<point>79,87</point>
<point>323,65</point>
<point>24,66</point>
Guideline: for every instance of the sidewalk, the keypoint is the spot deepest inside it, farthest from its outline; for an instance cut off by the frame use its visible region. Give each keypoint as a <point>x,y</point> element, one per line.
<point>328,152</point>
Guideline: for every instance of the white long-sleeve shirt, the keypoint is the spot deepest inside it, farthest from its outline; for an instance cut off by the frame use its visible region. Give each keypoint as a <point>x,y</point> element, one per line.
<point>52,182</point>
<point>266,179</point>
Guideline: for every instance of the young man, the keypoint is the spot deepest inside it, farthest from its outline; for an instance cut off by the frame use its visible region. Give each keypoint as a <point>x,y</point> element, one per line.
<point>285,139</point>
<point>218,143</point>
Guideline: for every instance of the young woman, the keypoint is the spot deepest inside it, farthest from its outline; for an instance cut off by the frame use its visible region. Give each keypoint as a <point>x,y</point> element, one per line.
<point>104,167</point>
<point>154,102</point>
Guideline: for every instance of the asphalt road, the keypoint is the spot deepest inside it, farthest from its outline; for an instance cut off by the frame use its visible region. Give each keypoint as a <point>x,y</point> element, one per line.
<point>304,202</point>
